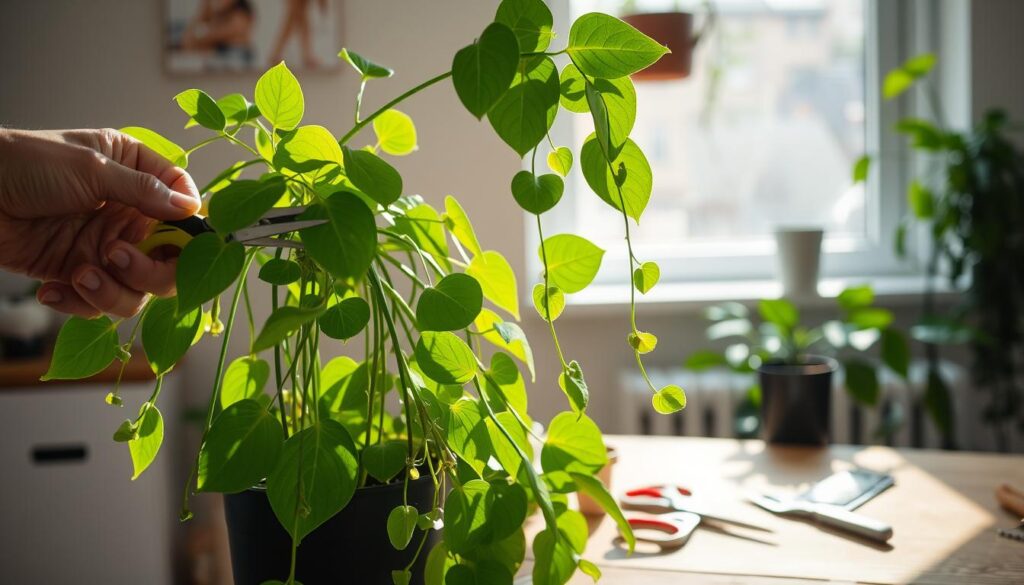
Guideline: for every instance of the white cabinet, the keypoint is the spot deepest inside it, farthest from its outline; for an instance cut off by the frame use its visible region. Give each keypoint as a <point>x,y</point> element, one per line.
<point>69,513</point>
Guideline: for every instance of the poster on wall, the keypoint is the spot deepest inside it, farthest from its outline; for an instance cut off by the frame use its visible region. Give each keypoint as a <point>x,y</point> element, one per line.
<point>250,35</point>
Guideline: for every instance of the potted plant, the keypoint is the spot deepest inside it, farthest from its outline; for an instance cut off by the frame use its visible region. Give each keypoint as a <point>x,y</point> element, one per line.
<point>411,463</point>
<point>675,29</point>
<point>795,363</point>
<point>969,203</point>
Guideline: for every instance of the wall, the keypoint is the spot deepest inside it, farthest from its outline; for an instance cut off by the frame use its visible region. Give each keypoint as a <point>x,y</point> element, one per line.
<point>69,63</point>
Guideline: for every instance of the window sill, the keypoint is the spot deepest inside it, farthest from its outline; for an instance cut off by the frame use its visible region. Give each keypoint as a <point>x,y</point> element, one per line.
<point>682,297</point>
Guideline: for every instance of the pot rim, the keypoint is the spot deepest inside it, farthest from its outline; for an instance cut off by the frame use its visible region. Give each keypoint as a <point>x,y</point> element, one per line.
<point>814,365</point>
<point>262,486</point>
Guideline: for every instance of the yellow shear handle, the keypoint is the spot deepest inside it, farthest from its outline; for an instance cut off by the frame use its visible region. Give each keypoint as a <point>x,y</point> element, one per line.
<point>176,233</point>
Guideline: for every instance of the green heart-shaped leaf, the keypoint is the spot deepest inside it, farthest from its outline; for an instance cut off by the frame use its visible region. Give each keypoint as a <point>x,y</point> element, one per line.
<point>483,71</point>
<point>537,194</point>
<point>144,446</point>
<point>530,20</point>
<point>280,271</point>
<point>445,358</point>
<point>84,347</point>
<point>549,306</point>
<point>281,323</point>
<point>384,460</point>
<point>459,225</point>
<point>573,445</point>
<point>560,160</point>
<point>166,336</point>
<point>525,113</point>
<point>244,378</point>
<point>452,304</point>
<point>345,245</point>
<point>646,276</point>
<point>465,516</point>
<point>669,399</point>
<point>159,145</point>
<point>373,176</point>
<point>345,319</point>
<point>396,133</point>
<point>574,386</point>
<point>497,279</point>
<point>202,108</point>
<point>314,478</point>
<point>642,342</point>
<point>402,525</point>
<point>636,186</point>
<point>279,97</point>
<point>426,228</point>
<point>466,433</point>
<point>237,109</point>
<point>240,449</point>
<point>572,261</point>
<point>242,203</point>
<point>604,46</point>
<point>366,68</point>
<point>308,149</point>
<point>206,267</point>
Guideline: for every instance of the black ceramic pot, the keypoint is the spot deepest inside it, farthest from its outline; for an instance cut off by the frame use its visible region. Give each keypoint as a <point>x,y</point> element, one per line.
<point>352,547</point>
<point>796,401</point>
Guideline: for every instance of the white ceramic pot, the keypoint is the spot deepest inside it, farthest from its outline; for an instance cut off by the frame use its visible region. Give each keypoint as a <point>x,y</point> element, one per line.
<point>798,251</point>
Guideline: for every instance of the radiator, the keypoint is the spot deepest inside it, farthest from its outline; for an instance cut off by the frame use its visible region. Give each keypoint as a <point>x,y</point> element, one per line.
<point>713,397</point>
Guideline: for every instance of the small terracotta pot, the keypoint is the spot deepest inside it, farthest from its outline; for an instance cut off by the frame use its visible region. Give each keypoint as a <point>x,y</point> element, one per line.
<point>674,30</point>
<point>588,505</point>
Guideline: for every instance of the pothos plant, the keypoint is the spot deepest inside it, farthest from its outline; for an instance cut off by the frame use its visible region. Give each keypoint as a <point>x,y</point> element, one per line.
<point>781,338</point>
<point>439,389</point>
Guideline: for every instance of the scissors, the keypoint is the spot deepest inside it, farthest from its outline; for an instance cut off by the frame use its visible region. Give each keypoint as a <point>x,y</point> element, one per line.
<point>277,221</point>
<point>678,515</point>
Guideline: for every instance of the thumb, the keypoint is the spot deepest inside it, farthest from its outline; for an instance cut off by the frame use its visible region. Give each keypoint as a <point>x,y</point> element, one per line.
<point>148,193</point>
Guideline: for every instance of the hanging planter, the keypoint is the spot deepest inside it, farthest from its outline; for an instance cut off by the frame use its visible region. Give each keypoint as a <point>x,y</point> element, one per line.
<point>674,30</point>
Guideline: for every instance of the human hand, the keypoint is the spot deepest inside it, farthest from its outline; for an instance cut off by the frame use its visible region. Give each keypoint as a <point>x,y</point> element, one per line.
<point>73,204</point>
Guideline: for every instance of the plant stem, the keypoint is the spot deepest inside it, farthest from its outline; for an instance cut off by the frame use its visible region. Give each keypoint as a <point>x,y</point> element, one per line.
<point>224,344</point>
<point>362,124</point>
<point>547,301</point>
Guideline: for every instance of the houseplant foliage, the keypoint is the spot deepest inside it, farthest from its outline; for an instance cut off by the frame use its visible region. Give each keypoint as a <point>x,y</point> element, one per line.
<point>967,199</point>
<point>780,337</point>
<point>440,388</point>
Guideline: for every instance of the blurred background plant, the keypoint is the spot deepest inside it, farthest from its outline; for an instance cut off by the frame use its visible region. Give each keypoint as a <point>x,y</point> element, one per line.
<point>967,204</point>
<point>779,337</point>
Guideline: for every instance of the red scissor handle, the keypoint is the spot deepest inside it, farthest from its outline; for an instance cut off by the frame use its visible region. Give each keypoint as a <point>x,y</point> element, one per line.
<point>658,491</point>
<point>670,530</point>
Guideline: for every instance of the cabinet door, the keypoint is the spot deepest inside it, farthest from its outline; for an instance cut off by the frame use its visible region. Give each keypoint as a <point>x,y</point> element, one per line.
<point>68,510</point>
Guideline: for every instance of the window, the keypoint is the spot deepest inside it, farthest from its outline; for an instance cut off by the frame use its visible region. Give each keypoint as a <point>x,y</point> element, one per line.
<point>763,134</point>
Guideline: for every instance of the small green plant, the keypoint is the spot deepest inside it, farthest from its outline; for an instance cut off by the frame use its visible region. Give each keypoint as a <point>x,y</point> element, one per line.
<point>440,389</point>
<point>968,199</point>
<point>780,338</point>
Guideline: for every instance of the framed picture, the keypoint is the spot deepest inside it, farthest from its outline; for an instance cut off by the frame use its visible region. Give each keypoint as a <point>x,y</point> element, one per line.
<point>250,35</point>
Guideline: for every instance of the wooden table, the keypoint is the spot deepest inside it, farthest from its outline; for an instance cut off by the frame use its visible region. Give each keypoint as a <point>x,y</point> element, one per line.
<point>941,509</point>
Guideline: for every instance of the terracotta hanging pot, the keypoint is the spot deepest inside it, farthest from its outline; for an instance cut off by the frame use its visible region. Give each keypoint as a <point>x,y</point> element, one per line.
<point>675,30</point>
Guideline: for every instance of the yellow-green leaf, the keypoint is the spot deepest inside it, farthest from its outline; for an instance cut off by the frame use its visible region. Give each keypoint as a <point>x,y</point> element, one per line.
<point>279,97</point>
<point>669,399</point>
<point>497,279</point>
<point>396,134</point>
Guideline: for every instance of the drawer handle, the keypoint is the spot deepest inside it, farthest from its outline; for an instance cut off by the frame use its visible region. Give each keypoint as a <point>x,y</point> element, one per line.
<point>56,454</point>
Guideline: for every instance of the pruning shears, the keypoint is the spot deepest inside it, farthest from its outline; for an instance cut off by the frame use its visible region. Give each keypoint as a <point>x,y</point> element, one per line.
<point>277,221</point>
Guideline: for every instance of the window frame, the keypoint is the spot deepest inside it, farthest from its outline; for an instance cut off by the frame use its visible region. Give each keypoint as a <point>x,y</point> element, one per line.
<point>890,38</point>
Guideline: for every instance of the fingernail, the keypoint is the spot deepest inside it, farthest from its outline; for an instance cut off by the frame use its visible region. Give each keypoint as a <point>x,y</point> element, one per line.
<point>183,201</point>
<point>90,280</point>
<point>51,297</point>
<point>119,257</point>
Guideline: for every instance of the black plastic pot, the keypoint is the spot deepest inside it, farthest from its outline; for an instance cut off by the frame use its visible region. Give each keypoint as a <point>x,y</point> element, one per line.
<point>796,401</point>
<point>352,547</point>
